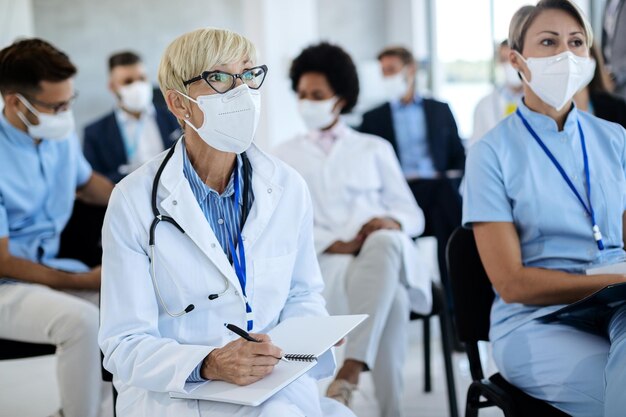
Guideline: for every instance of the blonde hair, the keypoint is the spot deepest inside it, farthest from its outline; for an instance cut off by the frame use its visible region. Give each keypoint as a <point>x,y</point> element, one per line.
<point>200,50</point>
<point>526,15</point>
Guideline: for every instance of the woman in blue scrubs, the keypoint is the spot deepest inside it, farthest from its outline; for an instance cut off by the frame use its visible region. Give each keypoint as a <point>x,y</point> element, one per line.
<point>546,196</point>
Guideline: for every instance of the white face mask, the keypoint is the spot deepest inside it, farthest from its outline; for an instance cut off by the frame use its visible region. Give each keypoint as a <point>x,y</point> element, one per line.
<point>230,119</point>
<point>136,97</point>
<point>511,76</point>
<point>51,126</point>
<point>317,114</point>
<point>395,86</point>
<point>555,79</point>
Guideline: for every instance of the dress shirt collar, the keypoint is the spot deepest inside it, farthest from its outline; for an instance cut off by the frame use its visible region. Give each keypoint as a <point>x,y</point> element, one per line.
<point>125,117</point>
<point>398,104</point>
<point>325,139</point>
<point>200,189</point>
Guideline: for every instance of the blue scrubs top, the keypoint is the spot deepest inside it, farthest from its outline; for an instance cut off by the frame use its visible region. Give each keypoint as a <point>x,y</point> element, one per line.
<point>37,190</point>
<point>509,178</point>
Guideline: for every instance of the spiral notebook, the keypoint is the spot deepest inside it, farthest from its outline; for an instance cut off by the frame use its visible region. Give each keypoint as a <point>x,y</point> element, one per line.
<point>303,339</point>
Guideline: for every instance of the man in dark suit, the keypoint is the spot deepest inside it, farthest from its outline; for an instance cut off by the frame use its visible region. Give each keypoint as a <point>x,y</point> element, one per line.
<point>136,130</point>
<point>424,135</point>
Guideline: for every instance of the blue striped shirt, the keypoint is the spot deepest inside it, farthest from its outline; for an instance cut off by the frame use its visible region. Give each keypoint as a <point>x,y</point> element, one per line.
<point>220,211</point>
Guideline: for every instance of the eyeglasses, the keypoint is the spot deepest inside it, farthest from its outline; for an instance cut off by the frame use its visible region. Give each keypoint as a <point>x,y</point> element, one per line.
<point>55,107</point>
<point>222,81</point>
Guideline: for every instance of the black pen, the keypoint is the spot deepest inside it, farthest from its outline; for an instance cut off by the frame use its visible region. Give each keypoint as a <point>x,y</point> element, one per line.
<point>241,332</point>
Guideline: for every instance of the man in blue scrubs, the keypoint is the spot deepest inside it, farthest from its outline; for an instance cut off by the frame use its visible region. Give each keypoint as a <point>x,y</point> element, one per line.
<point>42,171</point>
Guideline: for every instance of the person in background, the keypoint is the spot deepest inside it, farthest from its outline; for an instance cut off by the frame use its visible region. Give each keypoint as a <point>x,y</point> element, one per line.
<point>614,42</point>
<point>502,101</point>
<point>364,218</point>
<point>424,135</point>
<point>597,98</point>
<point>136,130</point>
<point>44,299</point>
<point>546,198</point>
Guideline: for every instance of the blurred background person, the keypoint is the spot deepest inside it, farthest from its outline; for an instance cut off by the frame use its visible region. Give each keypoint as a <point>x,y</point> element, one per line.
<point>364,218</point>
<point>597,97</point>
<point>136,130</point>
<point>43,298</point>
<point>502,101</point>
<point>614,42</point>
<point>424,135</point>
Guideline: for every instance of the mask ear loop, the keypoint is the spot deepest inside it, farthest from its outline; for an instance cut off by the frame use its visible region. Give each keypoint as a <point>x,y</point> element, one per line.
<point>30,108</point>
<point>187,115</point>
<point>521,74</point>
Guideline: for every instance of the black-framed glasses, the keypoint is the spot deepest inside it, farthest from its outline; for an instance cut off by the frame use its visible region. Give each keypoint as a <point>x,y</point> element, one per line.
<point>54,107</point>
<point>222,81</point>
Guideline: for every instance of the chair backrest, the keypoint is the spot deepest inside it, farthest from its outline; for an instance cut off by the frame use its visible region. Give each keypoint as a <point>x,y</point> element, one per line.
<point>471,289</point>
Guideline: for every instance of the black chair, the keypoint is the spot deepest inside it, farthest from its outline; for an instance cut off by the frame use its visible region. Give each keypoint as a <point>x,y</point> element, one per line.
<point>473,296</point>
<point>439,309</point>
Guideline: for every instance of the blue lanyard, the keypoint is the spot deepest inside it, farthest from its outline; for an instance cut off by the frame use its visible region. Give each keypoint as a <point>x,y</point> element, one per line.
<point>239,260</point>
<point>596,230</point>
<point>130,147</point>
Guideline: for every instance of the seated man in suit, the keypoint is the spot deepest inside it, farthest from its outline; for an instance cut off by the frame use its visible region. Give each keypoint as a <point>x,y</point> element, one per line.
<point>136,130</point>
<point>424,135</point>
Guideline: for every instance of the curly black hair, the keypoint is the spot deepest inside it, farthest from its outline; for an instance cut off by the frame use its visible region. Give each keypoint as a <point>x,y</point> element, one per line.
<point>335,64</point>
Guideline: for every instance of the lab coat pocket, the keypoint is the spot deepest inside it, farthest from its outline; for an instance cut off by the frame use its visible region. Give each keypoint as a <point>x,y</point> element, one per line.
<point>272,283</point>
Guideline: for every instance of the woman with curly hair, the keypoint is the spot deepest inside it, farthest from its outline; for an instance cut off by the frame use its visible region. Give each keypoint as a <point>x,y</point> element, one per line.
<point>364,218</point>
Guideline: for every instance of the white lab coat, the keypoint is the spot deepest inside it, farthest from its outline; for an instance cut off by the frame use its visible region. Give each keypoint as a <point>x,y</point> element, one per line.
<point>151,353</point>
<point>491,109</point>
<point>358,180</point>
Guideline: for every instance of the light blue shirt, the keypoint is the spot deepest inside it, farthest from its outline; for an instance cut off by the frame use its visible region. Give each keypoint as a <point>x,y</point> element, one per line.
<point>220,211</point>
<point>509,178</point>
<point>409,125</point>
<point>38,185</point>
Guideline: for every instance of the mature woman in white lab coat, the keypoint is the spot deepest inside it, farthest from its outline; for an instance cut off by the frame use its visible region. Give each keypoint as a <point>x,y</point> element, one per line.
<point>232,243</point>
<point>365,216</point>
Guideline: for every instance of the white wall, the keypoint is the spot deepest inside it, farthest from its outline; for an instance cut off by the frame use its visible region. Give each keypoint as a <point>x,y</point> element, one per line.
<point>90,30</point>
<point>16,20</point>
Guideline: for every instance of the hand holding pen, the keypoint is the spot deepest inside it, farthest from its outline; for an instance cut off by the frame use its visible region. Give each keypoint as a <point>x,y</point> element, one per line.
<point>240,362</point>
<point>239,331</point>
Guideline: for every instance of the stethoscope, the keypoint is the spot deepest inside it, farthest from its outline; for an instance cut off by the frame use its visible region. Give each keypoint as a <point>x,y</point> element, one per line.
<point>158,218</point>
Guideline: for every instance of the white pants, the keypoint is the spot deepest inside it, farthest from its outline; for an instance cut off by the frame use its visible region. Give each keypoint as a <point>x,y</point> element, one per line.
<point>580,373</point>
<point>38,314</point>
<point>373,285</point>
<point>298,399</point>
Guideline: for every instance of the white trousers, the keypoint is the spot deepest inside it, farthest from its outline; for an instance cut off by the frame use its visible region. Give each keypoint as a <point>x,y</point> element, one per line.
<point>372,281</point>
<point>580,373</point>
<point>38,314</point>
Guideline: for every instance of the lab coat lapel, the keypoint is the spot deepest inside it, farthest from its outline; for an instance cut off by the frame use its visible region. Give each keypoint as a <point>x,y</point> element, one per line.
<point>266,196</point>
<point>179,202</point>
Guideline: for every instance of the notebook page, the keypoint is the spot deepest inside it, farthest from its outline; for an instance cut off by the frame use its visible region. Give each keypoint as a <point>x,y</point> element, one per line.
<point>618,268</point>
<point>313,335</point>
